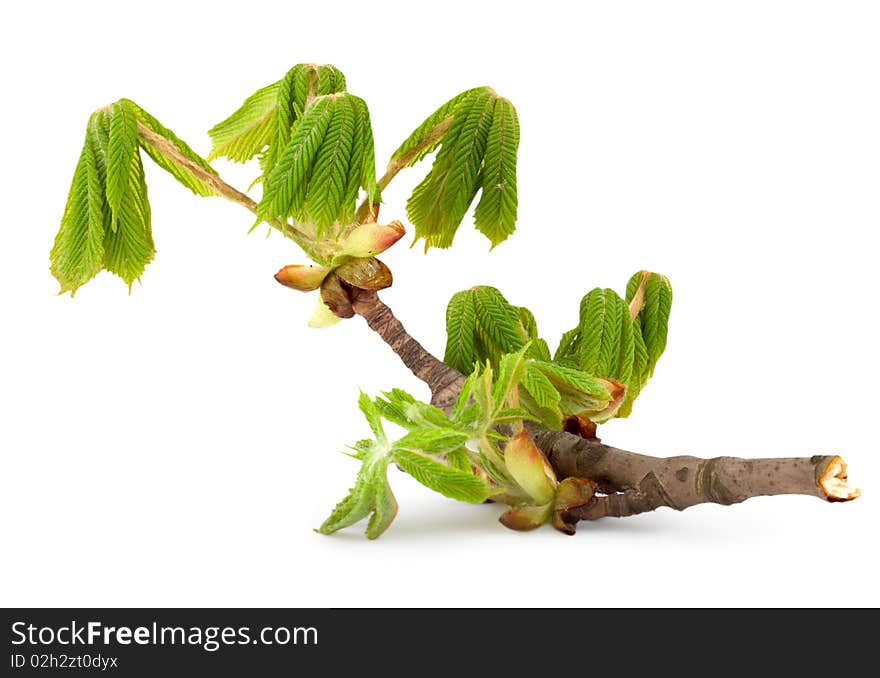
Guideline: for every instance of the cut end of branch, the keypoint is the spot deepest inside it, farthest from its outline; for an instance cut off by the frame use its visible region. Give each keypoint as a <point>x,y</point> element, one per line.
<point>833,482</point>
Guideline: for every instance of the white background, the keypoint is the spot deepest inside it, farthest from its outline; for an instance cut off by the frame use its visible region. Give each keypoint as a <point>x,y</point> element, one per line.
<point>177,446</point>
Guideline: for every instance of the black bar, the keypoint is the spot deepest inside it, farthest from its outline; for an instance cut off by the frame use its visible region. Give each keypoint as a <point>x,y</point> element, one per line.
<point>465,642</point>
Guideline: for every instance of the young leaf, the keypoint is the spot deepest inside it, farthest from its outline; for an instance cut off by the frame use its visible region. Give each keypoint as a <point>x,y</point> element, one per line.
<point>495,215</point>
<point>297,90</point>
<point>606,343</point>
<point>455,483</point>
<point>651,294</point>
<point>78,253</point>
<point>94,235</point>
<point>355,507</point>
<point>122,147</point>
<point>129,247</point>
<point>328,158</point>
<point>400,407</point>
<point>639,372</point>
<point>459,459</point>
<point>497,321</point>
<point>285,186</point>
<point>511,368</point>
<point>460,329</point>
<point>246,132</point>
<point>384,505</point>
<point>371,413</point>
<point>540,388</point>
<point>568,351</point>
<point>439,203</point>
<point>432,440</point>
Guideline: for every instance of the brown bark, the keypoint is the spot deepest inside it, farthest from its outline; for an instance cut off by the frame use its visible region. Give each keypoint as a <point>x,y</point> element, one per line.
<point>443,381</point>
<point>630,483</point>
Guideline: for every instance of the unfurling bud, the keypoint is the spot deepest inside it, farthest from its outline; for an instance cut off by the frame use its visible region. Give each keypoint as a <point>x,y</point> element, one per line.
<point>371,238</point>
<point>366,273</point>
<point>336,297</point>
<point>302,277</point>
<point>530,468</point>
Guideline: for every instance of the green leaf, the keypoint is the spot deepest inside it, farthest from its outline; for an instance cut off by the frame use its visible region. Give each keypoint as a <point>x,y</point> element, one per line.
<point>327,199</point>
<point>439,203</point>
<point>495,215</point>
<point>248,130</point>
<point>460,329</point>
<point>511,368</point>
<point>78,253</point>
<point>498,322</point>
<point>129,247</point>
<point>540,388</point>
<point>568,351</point>
<point>122,147</point>
<point>482,325</point>
<point>285,187</point>
<point>297,91</point>
<point>384,506</point>
<point>577,390</point>
<point>606,343</point>
<point>455,483</point>
<point>355,507</point>
<point>371,413</point>
<point>158,138</point>
<point>93,235</point>
<point>639,372</point>
<point>464,397</point>
<point>459,459</point>
<point>429,134</point>
<point>404,410</point>
<point>316,179</point>
<point>432,440</point>
<point>655,292</point>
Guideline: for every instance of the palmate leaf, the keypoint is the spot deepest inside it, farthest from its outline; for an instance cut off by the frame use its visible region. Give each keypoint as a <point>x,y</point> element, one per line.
<point>608,342</point>
<point>106,222</point>
<point>482,325</point>
<point>99,231</point>
<point>328,159</point>
<point>296,91</point>
<point>438,204</point>
<point>478,135</point>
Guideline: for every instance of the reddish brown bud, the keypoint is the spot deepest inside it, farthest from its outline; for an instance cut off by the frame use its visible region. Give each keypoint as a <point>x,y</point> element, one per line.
<point>334,295</point>
<point>302,277</point>
<point>365,273</point>
<point>372,238</point>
